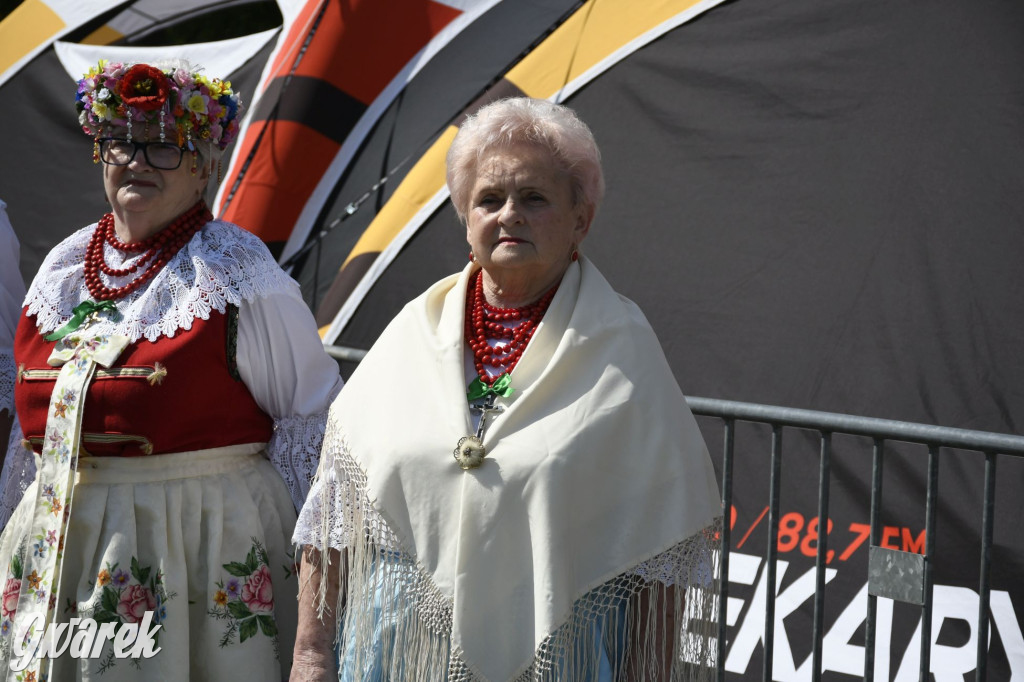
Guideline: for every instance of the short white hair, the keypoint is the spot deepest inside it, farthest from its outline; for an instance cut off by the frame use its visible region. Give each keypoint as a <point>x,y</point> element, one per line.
<point>518,120</point>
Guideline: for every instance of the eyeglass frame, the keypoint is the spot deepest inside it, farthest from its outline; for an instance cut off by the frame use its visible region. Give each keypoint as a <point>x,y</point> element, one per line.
<point>144,146</point>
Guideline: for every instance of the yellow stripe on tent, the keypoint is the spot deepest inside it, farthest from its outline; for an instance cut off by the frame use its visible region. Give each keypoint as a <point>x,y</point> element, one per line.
<point>104,35</point>
<point>587,38</point>
<point>30,24</point>
<point>418,187</point>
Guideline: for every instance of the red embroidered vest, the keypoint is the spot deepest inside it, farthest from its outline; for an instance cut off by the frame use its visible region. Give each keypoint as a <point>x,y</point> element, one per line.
<point>172,395</point>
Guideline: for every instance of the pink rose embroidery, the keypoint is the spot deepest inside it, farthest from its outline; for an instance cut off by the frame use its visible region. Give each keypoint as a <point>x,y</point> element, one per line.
<point>135,601</point>
<point>258,593</point>
<point>10,598</point>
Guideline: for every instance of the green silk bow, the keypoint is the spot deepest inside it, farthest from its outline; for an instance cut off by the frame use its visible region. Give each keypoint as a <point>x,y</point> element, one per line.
<point>502,387</point>
<point>80,313</point>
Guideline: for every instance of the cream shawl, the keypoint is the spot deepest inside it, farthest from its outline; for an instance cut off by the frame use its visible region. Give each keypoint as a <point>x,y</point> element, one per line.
<point>596,470</point>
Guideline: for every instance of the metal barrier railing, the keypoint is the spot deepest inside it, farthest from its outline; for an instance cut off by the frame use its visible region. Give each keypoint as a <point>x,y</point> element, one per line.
<point>917,579</point>
<point>917,576</point>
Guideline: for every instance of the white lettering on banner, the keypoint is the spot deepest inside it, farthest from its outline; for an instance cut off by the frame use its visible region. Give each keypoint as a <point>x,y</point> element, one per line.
<point>742,569</point>
<point>1009,631</point>
<point>751,633</point>
<point>948,663</point>
<point>84,638</point>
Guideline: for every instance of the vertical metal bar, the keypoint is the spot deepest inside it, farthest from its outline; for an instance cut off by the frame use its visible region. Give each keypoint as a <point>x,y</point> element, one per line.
<point>877,466</point>
<point>773,552</point>
<point>931,504</point>
<point>723,598</point>
<point>824,471</point>
<point>988,509</point>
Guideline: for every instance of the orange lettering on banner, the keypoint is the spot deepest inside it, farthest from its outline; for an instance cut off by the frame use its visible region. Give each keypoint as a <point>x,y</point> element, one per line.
<point>912,545</point>
<point>890,532</point>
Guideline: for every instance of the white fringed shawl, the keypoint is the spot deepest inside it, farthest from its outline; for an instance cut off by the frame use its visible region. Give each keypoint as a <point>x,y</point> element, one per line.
<point>596,484</point>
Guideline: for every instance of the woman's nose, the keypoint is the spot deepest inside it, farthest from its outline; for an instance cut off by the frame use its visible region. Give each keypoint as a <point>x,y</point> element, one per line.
<point>139,159</point>
<point>509,214</point>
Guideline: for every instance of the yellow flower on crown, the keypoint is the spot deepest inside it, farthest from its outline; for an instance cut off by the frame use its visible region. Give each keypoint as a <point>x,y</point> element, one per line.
<point>101,110</point>
<point>196,104</point>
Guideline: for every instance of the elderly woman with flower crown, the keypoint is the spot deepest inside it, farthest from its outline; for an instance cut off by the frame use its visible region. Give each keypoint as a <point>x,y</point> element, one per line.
<point>174,391</point>
<point>511,485</point>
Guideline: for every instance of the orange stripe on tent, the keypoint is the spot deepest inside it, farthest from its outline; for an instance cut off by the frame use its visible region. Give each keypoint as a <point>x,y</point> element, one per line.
<point>362,58</point>
<point>349,52</point>
<point>264,203</point>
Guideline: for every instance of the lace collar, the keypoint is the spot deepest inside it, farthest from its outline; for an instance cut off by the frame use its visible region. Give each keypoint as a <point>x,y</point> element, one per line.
<point>222,264</point>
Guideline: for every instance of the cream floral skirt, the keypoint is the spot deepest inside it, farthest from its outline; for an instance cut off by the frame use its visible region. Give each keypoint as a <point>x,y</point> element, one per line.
<point>201,541</point>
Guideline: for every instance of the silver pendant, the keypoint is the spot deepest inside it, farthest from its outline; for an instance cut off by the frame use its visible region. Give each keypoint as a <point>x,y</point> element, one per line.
<point>470,452</point>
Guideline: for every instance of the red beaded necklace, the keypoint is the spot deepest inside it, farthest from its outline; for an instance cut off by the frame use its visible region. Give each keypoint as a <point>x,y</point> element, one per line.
<point>484,323</point>
<point>158,250</point>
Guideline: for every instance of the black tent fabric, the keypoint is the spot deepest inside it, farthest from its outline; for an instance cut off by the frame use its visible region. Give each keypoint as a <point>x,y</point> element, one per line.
<point>818,206</point>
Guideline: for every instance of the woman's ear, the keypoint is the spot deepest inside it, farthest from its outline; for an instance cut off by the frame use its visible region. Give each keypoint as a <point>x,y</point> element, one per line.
<point>584,217</point>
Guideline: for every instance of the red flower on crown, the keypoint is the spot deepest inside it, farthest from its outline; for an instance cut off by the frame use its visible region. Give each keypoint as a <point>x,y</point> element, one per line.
<point>144,87</point>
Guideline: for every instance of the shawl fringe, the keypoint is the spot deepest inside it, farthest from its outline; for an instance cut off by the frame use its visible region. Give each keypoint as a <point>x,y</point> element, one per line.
<point>395,624</point>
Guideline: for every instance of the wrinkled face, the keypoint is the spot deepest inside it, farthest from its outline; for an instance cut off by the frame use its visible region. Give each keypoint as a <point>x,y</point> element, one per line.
<point>162,195</point>
<point>521,219</point>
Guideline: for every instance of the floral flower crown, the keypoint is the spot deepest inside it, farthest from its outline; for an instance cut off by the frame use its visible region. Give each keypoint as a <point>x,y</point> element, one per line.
<point>196,107</point>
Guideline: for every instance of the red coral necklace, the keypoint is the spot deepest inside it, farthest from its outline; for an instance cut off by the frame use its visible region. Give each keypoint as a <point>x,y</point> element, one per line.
<point>157,251</point>
<point>485,323</point>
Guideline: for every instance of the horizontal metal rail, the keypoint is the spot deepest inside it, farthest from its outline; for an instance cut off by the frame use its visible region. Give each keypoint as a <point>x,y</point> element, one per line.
<point>345,353</point>
<point>887,429</point>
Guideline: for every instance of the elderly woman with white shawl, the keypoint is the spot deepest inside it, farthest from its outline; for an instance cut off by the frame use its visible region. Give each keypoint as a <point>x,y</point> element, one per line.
<point>557,520</point>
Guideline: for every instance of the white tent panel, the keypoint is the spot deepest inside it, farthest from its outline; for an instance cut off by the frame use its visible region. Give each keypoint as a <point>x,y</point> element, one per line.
<point>221,57</point>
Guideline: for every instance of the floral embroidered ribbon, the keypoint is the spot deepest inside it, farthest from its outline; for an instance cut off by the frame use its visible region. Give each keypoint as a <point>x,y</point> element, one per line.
<point>79,355</point>
<point>478,389</point>
<point>81,312</point>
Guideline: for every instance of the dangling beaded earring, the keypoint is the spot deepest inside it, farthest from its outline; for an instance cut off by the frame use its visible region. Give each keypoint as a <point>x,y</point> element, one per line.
<point>96,149</point>
<point>220,171</point>
<point>472,257</point>
<point>129,136</point>
<point>192,149</point>
<point>575,256</point>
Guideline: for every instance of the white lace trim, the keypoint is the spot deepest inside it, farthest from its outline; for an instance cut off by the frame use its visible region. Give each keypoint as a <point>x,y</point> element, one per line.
<point>18,473</point>
<point>222,264</point>
<point>336,507</point>
<point>7,376</point>
<point>294,450</point>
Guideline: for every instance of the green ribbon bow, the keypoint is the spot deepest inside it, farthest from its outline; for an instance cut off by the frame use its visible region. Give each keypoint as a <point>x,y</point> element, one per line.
<point>502,387</point>
<point>81,312</point>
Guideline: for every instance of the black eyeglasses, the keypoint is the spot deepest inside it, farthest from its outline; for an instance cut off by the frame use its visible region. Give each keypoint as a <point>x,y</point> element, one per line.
<point>118,151</point>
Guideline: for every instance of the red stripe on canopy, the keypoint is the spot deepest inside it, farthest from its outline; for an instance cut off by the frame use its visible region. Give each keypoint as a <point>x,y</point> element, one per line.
<point>358,48</point>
